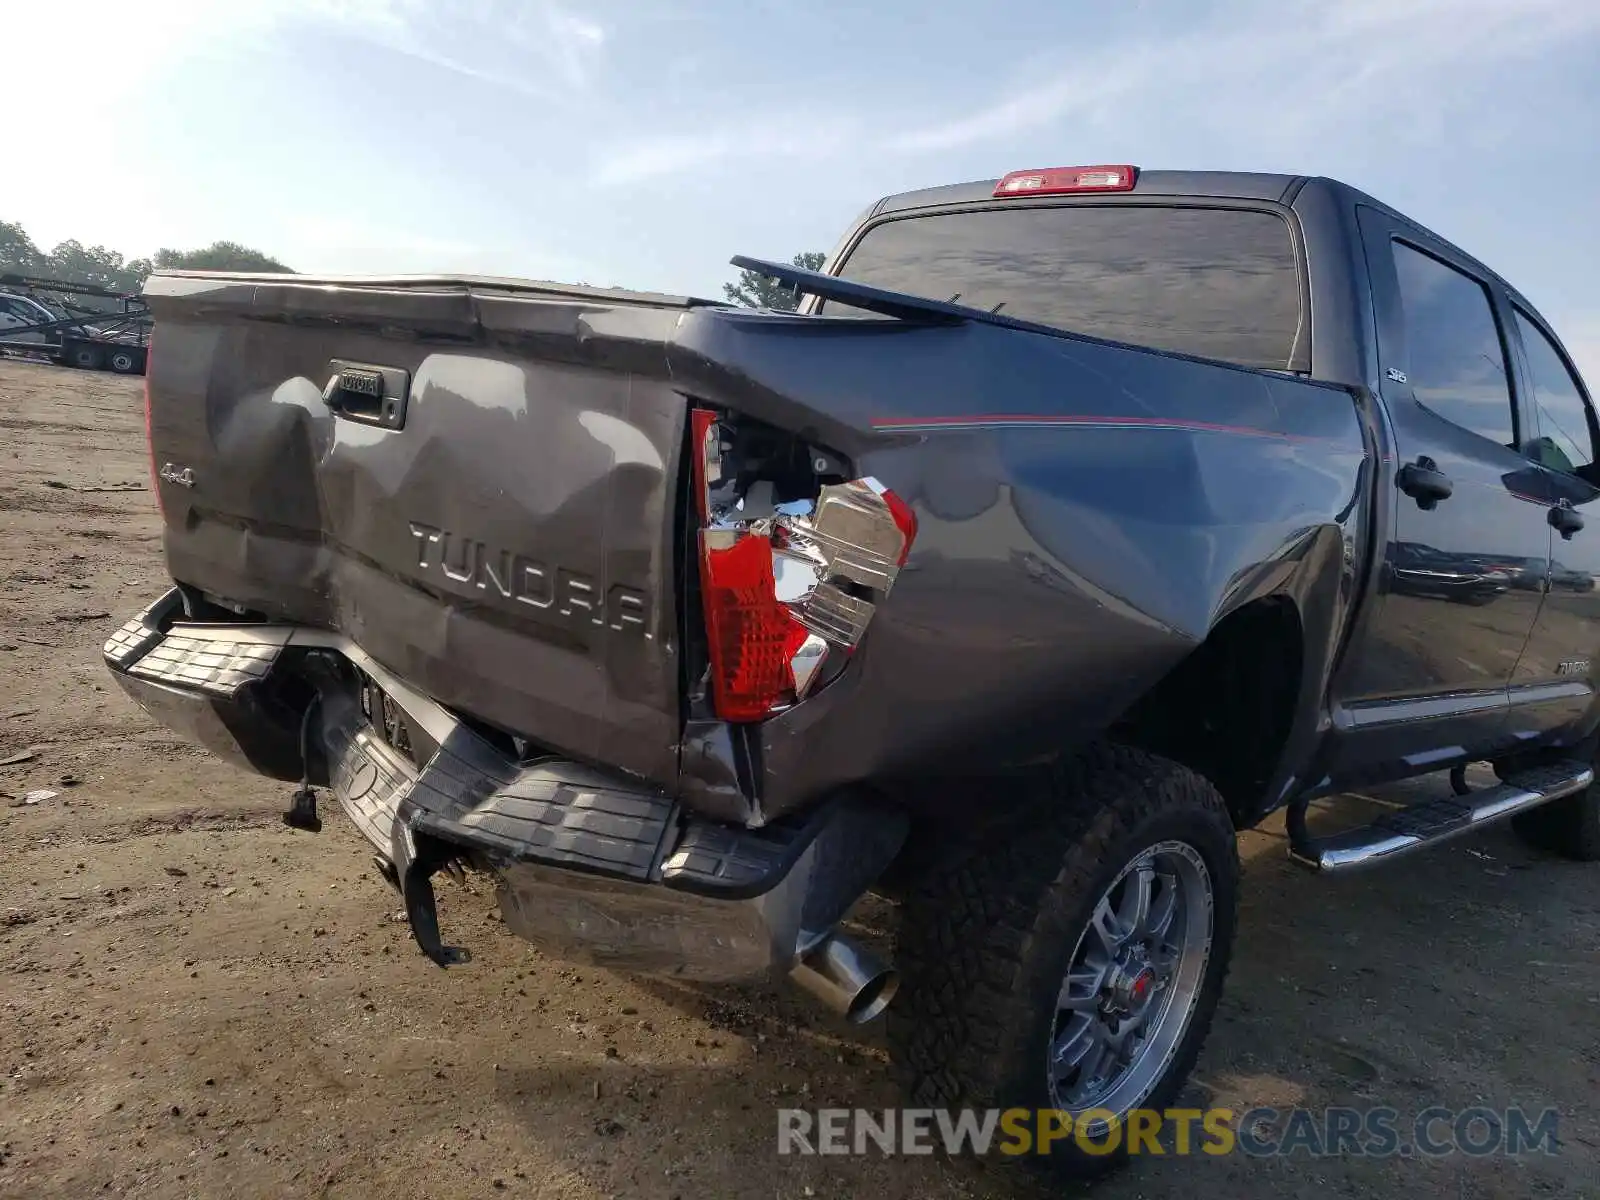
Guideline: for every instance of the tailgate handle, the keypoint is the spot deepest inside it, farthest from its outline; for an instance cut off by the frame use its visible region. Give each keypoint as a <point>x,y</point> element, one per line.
<point>371,395</point>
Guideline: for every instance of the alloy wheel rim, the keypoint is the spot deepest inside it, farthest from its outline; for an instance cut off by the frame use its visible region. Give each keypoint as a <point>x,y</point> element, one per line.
<point>1132,983</point>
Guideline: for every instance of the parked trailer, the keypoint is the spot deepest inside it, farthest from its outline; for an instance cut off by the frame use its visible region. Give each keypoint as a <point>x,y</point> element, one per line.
<point>69,333</point>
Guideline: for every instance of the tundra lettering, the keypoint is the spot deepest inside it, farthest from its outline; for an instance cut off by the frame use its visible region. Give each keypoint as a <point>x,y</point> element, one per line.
<point>516,577</point>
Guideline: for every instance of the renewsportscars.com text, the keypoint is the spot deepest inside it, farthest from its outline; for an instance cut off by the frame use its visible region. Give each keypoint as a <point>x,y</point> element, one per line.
<point>1256,1132</point>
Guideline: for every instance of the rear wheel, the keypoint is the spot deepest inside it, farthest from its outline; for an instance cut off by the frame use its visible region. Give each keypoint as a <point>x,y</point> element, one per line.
<point>1076,967</point>
<point>1569,826</point>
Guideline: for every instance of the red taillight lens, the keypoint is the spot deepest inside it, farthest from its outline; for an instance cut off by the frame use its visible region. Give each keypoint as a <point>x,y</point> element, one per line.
<point>904,520</point>
<point>753,636</point>
<point>1058,181</point>
<point>703,448</point>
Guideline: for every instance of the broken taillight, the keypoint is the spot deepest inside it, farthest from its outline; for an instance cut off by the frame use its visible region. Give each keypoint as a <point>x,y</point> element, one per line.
<point>784,585</point>
<point>751,636</point>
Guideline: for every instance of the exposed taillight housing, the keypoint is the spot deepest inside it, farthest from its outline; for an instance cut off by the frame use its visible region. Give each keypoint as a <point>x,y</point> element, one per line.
<point>785,587</point>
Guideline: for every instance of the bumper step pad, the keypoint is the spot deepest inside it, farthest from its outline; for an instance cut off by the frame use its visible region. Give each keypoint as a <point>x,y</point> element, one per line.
<point>470,803</point>
<point>554,812</point>
<point>215,659</point>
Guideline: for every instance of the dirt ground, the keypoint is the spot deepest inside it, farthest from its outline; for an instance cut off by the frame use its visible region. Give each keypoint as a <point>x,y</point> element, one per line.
<point>196,1001</point>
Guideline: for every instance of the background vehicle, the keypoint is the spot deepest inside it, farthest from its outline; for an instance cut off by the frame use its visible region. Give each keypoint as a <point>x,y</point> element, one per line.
<point>24,315</point>
<point>1067,532</point>
<point>1469,579</point>
<point>38,317</point>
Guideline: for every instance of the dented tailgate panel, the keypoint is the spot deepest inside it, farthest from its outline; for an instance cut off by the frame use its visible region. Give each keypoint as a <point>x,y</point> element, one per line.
<point>474,482</point>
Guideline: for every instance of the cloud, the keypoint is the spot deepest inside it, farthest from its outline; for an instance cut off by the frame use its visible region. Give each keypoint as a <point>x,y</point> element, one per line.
<point>1027,108</point>
<point>131,43</point>
<point>665,154</point>
<point>323,231</point>
<point>639,159</point>
<point>534,47</point>
<point>1287,75</point>
<point>574,27</point>
<point>1287,69</point>
<point>360,243</point>
<point>357,247</point>
<point>575,42</point>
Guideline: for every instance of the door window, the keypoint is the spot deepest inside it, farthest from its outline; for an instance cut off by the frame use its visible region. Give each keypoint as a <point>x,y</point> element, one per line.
<point>1566,436</point>
<point>1455,360</point>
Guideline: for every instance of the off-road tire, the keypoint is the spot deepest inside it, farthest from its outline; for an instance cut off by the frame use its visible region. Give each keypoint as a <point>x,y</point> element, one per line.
<point>983,945</point>
<point>1569,826</point>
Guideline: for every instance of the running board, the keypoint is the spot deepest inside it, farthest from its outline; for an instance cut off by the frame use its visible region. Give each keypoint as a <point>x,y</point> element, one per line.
<point>1422,825</point>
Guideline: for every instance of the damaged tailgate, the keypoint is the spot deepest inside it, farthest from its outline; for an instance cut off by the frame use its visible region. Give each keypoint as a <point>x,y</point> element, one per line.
<point>474,480</point>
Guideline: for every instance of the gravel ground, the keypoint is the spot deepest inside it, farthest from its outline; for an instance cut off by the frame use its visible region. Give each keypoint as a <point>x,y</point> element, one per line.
<point>197,1001</point>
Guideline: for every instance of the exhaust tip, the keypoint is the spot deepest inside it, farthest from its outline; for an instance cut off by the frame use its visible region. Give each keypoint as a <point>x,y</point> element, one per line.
<point>874,998</point>
<point>848,978</point>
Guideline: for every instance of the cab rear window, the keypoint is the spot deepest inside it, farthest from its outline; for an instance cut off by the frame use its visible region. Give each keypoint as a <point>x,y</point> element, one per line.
<point>1213,282</point>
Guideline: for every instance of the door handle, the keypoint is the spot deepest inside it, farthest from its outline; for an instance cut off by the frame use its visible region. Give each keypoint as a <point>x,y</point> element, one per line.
<point>1424,482</point>
<point>1566,520</point>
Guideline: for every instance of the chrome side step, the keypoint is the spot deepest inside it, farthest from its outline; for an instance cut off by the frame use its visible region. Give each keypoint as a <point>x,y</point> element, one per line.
<point>1422,825</point>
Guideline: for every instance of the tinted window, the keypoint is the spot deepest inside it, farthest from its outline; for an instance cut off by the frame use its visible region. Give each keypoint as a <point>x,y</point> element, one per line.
<point>1212,282</point>
<point>1456,363</point>
<point>1564,439</point>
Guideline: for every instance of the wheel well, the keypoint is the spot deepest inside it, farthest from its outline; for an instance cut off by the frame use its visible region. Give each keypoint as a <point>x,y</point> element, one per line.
<point>1227,709</point>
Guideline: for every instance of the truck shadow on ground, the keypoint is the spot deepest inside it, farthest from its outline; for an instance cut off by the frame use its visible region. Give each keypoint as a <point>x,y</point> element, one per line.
<point>1403,987</point>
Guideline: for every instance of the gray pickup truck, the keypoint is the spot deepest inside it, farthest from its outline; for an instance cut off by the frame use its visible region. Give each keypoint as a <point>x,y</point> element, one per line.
<point>1080,519</point>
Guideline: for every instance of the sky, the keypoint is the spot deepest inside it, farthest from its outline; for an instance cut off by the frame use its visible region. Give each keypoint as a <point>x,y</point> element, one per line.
<point>640,143</point>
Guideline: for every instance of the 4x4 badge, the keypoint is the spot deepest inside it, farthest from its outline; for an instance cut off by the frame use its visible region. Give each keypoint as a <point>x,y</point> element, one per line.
<point>182,476</point>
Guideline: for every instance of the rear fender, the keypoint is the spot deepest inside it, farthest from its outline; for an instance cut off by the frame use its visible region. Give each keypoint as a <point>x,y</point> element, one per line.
<point>1086,514</point>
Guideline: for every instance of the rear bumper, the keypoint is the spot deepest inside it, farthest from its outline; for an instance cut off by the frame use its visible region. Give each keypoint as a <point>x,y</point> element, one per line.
<point>590,865</point>
<point>204,687</point>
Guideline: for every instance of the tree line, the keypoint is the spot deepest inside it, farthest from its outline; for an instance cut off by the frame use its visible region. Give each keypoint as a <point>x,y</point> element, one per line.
<point>73,262</point>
